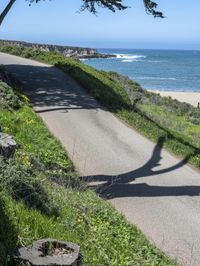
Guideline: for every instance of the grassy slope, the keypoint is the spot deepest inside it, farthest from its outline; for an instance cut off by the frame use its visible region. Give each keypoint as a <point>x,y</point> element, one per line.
<point>154,116</point>
<point>41,196</point>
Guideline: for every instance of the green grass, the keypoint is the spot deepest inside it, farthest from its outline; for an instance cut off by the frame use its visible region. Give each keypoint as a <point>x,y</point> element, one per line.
<point>41,196</point>
<point>152,115</point>
<point>188,130</point>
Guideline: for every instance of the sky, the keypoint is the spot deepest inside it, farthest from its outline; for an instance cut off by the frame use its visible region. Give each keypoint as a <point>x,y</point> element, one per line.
<point>59,22</point>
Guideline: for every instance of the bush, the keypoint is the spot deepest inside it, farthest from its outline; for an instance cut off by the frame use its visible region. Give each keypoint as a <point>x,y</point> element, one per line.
<point>130,102</point>
<point>22,184</point>
<point>29,200</point>
<point>8,99</point>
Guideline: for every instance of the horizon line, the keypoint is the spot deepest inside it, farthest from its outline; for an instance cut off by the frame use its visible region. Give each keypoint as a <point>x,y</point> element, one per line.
<point>109,48</point>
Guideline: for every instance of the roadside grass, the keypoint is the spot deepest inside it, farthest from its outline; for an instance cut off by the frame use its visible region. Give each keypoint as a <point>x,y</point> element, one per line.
<point>181,124</point>
<point>152,115</point>
<point>41,196</point>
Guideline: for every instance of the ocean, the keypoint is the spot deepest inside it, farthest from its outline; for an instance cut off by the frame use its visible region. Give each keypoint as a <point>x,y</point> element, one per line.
<point>166,70</point>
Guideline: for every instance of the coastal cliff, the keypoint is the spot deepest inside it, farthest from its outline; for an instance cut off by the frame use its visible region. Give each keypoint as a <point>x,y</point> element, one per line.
<point>68,51</point>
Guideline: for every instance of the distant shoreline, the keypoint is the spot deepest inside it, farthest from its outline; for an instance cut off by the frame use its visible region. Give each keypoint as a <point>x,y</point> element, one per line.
<point>192,98</point>
<point>67,51</point>
<point>173,70</point>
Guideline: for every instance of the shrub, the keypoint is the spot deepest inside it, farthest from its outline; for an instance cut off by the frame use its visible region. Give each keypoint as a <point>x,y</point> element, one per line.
<point>23,184</point>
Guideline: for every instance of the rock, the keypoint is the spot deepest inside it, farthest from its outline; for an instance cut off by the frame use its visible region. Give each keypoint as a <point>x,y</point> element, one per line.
<point>46,252</point>
<point>7,145</point>
<point>68,51</point>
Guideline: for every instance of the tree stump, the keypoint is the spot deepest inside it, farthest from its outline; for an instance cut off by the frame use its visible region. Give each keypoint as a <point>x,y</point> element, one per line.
<point>7,145</point>
<point>46,252</point>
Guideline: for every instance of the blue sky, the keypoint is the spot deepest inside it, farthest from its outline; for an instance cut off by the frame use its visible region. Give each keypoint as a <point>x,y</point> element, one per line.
<point>58,22</point>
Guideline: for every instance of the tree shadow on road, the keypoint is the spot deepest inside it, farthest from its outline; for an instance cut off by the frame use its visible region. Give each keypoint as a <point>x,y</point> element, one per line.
<point>121,186</point>
<point>46,92</point>
<point>51,90</point>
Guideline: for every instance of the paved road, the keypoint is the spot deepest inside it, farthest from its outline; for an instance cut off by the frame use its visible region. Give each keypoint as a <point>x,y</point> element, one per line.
<point>153,189</point>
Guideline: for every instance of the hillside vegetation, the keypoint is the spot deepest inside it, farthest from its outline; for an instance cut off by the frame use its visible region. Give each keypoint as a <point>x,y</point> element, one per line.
<point>154,116</point>
<point>41,196</point>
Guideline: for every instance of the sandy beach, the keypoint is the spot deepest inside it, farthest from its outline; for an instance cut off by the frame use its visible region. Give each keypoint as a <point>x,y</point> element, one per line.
<point>192,98</point>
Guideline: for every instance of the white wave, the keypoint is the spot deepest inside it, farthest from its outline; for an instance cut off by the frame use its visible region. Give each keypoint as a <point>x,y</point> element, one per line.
<point>128,61</point>
<point>131,60</point>
<point>83,59</point>
<point>129,57</point>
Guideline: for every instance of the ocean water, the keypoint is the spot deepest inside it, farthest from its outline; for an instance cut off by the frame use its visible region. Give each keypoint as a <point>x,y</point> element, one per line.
<point>166,70</point>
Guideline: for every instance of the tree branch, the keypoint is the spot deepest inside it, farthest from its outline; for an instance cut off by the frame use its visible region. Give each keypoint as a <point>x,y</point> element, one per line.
<point>6,10</point>
<point>91,5</point>
<point>112,5</point>
<point>151,8</point>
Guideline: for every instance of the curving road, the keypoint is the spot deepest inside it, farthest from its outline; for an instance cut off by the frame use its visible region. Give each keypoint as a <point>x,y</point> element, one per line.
<point>153,189</point>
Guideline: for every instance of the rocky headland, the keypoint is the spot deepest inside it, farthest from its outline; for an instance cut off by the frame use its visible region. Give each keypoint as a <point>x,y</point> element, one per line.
<point>68,51</point>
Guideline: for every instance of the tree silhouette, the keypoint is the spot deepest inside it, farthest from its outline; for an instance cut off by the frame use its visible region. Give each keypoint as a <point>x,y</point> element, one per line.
<point>91,6</point>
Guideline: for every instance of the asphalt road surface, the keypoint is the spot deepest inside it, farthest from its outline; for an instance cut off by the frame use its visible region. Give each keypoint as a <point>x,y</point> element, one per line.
<point>153,189</point>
